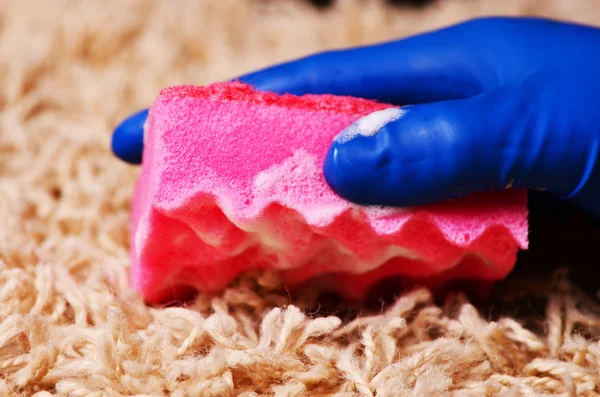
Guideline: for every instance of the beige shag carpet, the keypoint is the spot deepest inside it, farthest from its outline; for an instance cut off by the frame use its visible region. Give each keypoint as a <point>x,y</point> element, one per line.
<point>69,71</point>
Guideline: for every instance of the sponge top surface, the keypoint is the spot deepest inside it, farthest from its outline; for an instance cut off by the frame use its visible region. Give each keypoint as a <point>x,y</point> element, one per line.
<point>248,147</point>
<point>236,91</point>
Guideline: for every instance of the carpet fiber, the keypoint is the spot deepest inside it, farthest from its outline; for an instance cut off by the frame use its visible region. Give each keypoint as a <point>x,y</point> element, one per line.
<point>70,70</point>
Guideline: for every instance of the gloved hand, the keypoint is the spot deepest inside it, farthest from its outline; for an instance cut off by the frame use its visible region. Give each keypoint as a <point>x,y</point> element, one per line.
<point>493,103</point>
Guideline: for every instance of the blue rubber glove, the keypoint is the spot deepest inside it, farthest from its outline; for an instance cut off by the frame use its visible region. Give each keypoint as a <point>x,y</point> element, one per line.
<point>493,103</point>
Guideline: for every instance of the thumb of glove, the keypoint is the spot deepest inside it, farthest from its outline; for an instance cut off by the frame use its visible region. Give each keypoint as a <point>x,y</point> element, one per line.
<point>433,152</point>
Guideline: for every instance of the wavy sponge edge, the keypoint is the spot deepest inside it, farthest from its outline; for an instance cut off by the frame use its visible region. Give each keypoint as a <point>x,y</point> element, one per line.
<point>231,181</point>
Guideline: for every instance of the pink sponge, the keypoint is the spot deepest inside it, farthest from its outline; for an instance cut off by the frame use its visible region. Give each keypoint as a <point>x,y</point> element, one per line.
<point>232,181</point>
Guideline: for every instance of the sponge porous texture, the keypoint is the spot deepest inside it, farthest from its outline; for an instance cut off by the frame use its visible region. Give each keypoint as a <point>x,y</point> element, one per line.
<point>232,181</point>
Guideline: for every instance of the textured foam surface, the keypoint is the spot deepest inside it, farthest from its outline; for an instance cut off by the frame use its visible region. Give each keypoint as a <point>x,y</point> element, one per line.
<point>232,181</point>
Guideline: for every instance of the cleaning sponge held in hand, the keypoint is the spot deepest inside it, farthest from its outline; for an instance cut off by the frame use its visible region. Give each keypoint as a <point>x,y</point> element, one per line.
<point>232,181</point>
